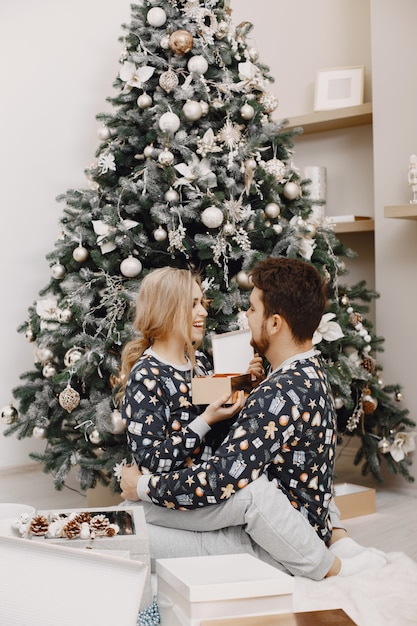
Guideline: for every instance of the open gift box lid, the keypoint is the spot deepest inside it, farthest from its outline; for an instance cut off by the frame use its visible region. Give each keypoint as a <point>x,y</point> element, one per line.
<point>232,354</point>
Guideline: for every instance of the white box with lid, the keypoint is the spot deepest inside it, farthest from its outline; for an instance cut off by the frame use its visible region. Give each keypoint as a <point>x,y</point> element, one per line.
<point>208,587</point>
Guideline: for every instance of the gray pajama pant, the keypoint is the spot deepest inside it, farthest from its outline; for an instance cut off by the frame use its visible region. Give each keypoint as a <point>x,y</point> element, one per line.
<point>258,519</point>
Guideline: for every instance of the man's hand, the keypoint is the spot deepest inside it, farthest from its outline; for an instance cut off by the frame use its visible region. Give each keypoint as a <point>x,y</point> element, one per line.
<point>129,482</point>
<point>256,369</point>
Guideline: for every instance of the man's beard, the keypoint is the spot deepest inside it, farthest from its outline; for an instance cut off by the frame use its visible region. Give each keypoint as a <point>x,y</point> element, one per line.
<point>262,344</point>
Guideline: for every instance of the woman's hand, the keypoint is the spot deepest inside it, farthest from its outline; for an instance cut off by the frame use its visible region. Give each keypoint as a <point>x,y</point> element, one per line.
<point>256,369</point>
<point>217,412</point>
<point>129,482</point>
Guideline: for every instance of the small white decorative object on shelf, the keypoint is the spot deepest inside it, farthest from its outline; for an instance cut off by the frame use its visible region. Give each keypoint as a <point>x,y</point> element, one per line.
<point>412,177</point>
<point>317,174</point>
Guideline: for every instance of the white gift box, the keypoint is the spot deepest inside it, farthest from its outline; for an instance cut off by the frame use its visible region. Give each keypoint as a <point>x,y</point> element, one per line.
<point>43,584</point>
<point>133,539</point>
<point>192,589</point>
<point>232,354</point>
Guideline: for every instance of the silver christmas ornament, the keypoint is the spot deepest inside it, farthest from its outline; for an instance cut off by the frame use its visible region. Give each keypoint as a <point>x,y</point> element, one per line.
<point>268,101</point>
<point>95,437</point>
<point>117,425</point>
<point>72,356</point>
<point>160,234</point>
<point>80,254</point>
<point>166,158</point>
<point>204,107</point>
<point>104,133</point>
<point>244,280</point>
<point>192,110</point>
<point>171,195</point>
<point>9,414</point>
<point>291,190</point>
<point>144,101</point>
<point>58,271</point>
<point>45,354</point>
<point>65,316</point>
<point>131,267</point>
<point>197,65</point>
<point>212,217</point>
<point>49,370</point>
<point>222,30</point>
<point>29,334</point>
<point>277,228</point>
<point>40,432</point>
<point>247,111</point>
<point>228,229</point>
<point>384,445</point>
<point>156,17</point>
<point>164,42</point>
<point>169,122</point>
<point>148,152</point>
<point>272,210</point>
<point>338,402</point>
<point>168,81</point>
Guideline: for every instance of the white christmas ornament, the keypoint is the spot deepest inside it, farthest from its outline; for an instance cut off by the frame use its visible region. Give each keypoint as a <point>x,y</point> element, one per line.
<point>156,17</point>
<point>192,110</point>
<point>131,267</point>
<point>80,254</point>
<point>39,432</point>
<point>212,217</point>
<point>197,65</point>
<point>243,280</point>
<point>117,423</point>
<point>291,190</point>
<point>166,158</point>
<point>94,437</point>
<point>272,210</point>
<point>148,152</point>
<point>160,234</point>
<point>169,122</point>
<point>58,271</point>
<point>168,80</point>
<point>144,101</point>
<point>171,195</point>
<point>103,133</point>
<point>247,111</point>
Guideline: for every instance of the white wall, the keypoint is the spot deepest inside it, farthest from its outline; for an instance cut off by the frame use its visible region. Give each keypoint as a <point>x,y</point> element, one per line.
<point>394,51</point>
<point>57,65</point>
<point>58,61</point>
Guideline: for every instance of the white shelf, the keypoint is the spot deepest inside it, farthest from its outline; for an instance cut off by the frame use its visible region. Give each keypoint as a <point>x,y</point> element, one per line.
<point>401,211</point>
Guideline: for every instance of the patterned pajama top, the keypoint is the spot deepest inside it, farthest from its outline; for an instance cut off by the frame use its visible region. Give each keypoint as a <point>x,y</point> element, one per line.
<point>287,429</point>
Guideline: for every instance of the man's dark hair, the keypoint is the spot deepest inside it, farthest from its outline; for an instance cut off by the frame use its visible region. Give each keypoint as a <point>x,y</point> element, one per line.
<point>293,289</point>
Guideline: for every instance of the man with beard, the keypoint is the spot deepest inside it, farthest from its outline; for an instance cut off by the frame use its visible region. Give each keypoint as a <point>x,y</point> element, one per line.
<point>282,444</point>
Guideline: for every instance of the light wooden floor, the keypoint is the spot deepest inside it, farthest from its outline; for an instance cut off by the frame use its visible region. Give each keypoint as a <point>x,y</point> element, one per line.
<point>391,528</point>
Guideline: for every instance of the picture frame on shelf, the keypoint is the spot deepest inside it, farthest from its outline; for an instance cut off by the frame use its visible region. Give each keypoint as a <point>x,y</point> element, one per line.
<point>338,88</point>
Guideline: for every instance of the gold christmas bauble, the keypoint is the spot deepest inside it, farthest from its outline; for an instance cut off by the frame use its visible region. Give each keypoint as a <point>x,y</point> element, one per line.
<point>181,42</point>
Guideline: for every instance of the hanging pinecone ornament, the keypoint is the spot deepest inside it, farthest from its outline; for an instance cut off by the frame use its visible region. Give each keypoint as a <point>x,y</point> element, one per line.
<point>39,526</point>
<point>69,398</point>
<point>368,364</point>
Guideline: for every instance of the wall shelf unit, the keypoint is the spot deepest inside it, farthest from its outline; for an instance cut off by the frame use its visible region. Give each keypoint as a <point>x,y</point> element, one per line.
<point>358,226</point>
<point>321,121</point>
<point>401,211</point>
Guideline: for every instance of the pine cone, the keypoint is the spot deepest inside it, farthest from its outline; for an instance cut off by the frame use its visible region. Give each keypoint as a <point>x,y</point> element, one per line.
<point>368,363</point>
<point>99,524</point>
<point>83,516</point>
<point>72,529</point>
<point>355,319</point>
<point>39,525</point>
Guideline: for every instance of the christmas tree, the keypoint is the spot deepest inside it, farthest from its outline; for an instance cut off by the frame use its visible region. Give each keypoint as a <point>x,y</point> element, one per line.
<point>192,170</point>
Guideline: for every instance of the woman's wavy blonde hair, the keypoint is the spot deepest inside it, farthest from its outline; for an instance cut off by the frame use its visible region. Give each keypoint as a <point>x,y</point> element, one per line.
<point>164,302</point>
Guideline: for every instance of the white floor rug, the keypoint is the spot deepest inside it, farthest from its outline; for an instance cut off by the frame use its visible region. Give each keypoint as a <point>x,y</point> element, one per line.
<point>385,597</point>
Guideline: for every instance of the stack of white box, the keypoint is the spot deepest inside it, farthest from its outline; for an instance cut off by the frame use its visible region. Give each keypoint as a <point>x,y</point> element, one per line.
<point>193,589</point>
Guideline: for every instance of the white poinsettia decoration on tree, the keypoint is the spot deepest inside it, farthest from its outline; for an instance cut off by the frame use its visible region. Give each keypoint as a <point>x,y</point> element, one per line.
<point>327,329</point>
<point>401,446</point>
